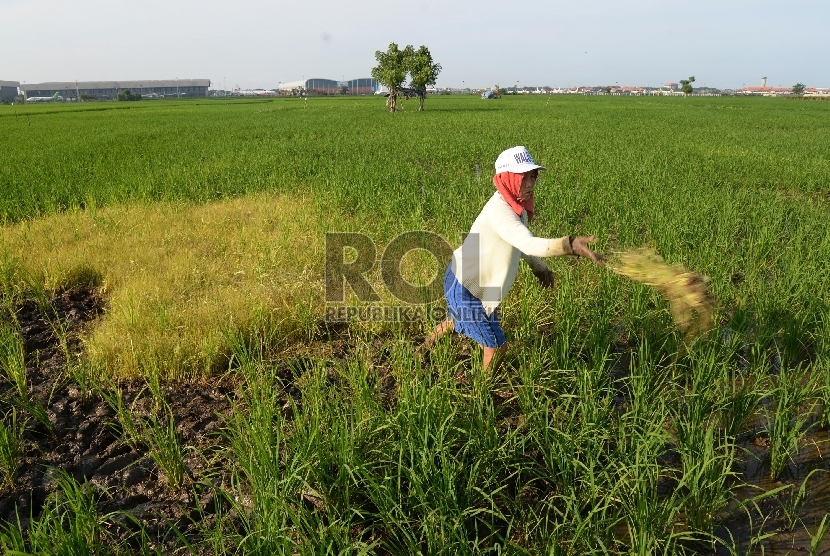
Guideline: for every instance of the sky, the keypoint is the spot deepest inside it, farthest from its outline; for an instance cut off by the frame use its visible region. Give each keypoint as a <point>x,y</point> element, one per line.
<point>259,43</point>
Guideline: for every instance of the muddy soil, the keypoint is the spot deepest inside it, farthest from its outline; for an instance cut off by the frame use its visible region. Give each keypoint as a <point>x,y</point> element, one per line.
<point>85,438</point>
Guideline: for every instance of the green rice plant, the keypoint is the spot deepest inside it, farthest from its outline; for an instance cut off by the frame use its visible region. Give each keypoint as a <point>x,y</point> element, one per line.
<point>13,366</point>
<point>822,368</point>
<point>266,491</point>
<point>755,542</point>
<point>707,475</point>
<point>569,525</point>
<point>817,537</point>
<point>11,445</point>
<point>706,451</point>
<point>570,433</point>
<point>36,287</point>
<point>152,375</point>
<point>81,371</point>
<point>165,447</point>
<point>757,535</point>
<point>792,419</point>
<point>86,375</point>
<point>434,470</point>
<point>12,358</point>
<point>36,410</point>
<point>651,519</point>
<point>126,425</point>
<point>741,397</point>
<point>69,524</point>
<point>792,504</point>
<point>216,537</point>
<point>697,408</point>
<point>649,386</point>
<point>733,393</point>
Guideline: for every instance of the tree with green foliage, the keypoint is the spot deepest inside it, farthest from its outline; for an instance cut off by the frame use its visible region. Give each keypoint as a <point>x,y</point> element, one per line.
<point>686,85</point>
<point>126,94</point>
<point>391,72</point>
<point>798,89</point>
<point>423,71</point>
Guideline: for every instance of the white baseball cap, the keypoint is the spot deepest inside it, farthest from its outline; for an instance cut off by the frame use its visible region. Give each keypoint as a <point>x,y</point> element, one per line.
<point>516,160</point>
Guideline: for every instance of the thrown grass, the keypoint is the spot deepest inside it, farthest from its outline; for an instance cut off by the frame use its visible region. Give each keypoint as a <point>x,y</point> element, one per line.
<point>691,305</point>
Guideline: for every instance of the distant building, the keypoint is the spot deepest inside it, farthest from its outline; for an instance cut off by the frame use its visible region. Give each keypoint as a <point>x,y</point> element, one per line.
<point>320,86</point>
<point>109,89</point>
<point>766,91</point>
<point>8,90</point>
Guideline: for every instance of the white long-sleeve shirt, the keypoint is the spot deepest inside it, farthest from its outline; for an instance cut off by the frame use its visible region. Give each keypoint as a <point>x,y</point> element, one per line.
<point>488,260</point>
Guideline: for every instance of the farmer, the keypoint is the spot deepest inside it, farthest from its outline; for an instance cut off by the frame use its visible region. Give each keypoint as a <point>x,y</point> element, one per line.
<point>485,266</point>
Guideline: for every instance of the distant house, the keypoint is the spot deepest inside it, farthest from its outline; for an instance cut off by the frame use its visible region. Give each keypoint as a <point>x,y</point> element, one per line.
<point>766,91</point>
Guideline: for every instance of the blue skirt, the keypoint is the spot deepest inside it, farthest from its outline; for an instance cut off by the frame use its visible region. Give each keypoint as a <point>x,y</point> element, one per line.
<point>469,315</point>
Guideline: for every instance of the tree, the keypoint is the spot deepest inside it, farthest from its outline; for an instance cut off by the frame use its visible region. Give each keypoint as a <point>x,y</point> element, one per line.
<point>391,72</point>
<point>798,89</point>
<point>343,90</point>
<point>686,85</point>
<point>126,94</point>
<point>423,71</point>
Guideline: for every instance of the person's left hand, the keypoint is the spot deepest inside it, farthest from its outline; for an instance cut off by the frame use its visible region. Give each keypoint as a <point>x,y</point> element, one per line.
<point>545,277</point>
<point>579,245</point>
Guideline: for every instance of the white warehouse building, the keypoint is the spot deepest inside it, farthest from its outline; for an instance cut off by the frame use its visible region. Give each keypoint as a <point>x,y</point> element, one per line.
<point>362,86</point>
<point>109,89</point>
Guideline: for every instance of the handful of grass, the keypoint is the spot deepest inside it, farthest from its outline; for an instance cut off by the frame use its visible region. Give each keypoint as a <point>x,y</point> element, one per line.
<point>692,307</point>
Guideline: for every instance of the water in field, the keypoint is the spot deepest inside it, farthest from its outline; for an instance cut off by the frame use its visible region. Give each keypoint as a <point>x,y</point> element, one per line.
<point>771,518</point>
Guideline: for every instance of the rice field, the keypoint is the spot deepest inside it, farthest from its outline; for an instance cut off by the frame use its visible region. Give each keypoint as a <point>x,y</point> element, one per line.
<point>200,225</point>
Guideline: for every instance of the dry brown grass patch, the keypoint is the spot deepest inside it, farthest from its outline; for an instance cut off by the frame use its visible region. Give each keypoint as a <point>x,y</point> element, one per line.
<point>178,277</point>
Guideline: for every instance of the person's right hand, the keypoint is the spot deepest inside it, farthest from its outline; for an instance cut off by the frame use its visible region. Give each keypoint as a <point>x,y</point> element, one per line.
<point>579,245</point>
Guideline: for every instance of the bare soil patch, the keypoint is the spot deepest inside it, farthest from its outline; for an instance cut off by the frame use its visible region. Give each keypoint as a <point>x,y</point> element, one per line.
<point>85,439</point>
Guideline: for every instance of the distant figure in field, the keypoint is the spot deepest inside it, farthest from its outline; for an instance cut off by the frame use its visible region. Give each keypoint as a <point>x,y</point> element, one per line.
<point>485,266</point>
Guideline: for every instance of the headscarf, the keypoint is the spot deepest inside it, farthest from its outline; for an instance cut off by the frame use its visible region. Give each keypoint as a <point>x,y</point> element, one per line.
<point>508,184</point>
